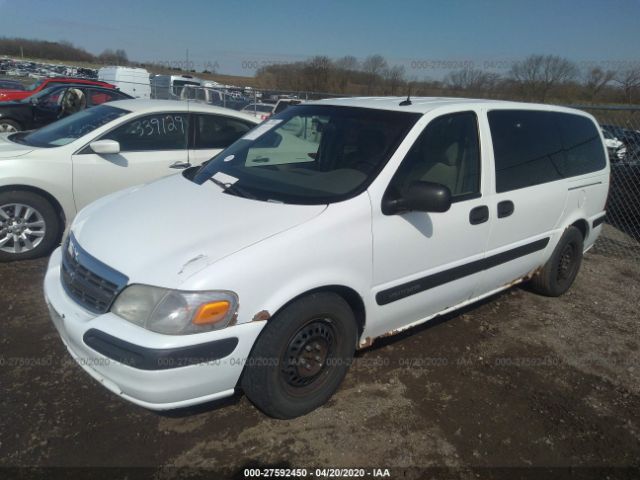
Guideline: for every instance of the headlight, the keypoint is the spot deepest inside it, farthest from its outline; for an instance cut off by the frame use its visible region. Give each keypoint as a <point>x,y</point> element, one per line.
<point>174,312</point>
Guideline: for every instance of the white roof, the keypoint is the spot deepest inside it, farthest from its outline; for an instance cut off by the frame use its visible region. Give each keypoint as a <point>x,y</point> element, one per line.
<point>426,104</point>
<point>138,105</point>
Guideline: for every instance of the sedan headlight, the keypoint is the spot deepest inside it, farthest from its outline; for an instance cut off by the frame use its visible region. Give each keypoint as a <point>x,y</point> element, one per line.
<point>175,312</point>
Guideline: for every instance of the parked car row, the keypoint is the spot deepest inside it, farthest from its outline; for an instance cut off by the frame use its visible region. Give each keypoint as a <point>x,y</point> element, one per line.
<point>32,69</point>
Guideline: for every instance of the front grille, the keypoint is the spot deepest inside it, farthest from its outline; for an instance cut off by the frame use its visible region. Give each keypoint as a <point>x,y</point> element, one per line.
<point>88,281</point>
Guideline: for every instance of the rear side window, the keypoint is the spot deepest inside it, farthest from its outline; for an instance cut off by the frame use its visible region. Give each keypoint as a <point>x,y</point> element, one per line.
<point>534,147</point>
<point>215,131</point>
<point>527,148</point>
<point>582,145</point>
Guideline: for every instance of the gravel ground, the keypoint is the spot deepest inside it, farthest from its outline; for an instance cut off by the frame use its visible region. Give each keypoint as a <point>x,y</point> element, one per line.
<point>518,380</point>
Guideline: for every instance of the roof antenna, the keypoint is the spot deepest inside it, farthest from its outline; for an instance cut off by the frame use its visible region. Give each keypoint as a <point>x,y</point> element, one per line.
<point>406,102</point>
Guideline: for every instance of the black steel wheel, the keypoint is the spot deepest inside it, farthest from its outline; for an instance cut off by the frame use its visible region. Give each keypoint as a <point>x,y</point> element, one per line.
<point>301,356</point>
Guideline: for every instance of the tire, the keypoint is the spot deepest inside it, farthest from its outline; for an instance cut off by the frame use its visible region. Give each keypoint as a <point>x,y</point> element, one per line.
<point>8,126</point>
<point>558,274</point>
<point>30,219</point>
<point>284,377</point>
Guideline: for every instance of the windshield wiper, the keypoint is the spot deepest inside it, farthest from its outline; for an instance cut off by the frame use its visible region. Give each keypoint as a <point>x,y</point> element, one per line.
<point>233,188</point>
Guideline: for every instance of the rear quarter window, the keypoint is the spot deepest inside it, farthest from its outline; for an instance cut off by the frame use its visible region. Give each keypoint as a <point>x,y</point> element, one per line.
<point>534,147</point>
<point>583,148</point>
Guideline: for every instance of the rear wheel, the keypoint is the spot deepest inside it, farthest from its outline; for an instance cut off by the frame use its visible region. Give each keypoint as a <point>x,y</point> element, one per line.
<point>301,356</point>
<point>558,274</point>
<point>9,126</point>
<point>29,226</point>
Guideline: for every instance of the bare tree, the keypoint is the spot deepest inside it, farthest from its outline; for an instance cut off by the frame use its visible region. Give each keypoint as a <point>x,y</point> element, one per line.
<point>317,71</point>
<point>596,79</point>
<point>538,74</point>
<point>118,57</point>
<point>629,81</point>
<point>345,67</point>
<point>373,66</point>
<point>394,78</point>
<point>470,79</point>
<point>348,62</point>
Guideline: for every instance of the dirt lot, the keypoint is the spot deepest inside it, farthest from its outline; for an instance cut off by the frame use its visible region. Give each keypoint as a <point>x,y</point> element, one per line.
<point>517,381</point>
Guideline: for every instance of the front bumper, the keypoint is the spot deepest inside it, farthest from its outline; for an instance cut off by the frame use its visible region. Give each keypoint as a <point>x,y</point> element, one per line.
<point>155,371</point>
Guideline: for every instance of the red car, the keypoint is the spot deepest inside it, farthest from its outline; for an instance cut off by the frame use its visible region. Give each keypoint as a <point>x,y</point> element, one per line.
<point>12,95</point>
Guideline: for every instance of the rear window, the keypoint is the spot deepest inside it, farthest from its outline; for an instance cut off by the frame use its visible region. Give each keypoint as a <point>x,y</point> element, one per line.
<point>582,145</point>
<point>534,147</point>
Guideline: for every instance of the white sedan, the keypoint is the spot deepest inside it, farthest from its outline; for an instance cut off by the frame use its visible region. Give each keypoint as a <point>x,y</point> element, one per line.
<point>48,175</point>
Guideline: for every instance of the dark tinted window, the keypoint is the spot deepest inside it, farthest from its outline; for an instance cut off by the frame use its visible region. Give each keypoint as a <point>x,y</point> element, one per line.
<point>582,144</point>
<point>527,148</point>
<point>214,131</point>
<point>533,147</point>
<point>447,152</point>
<point>163,131</point>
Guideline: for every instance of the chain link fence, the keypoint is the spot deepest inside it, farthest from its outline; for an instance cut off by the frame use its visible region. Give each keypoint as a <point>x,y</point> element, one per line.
<point>621,129</point>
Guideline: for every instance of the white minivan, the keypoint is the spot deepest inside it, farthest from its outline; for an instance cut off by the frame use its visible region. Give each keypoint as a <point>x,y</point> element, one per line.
<point>329,225</point>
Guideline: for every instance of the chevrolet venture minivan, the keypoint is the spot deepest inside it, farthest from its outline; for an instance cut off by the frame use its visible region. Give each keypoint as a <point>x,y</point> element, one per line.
<point>329,225</point>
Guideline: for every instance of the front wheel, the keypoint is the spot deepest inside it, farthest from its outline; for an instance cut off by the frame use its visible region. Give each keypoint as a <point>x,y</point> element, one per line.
<point>9,126</point>
<point>29,226</point>
<point>558,274</point>
<point>302,355</point>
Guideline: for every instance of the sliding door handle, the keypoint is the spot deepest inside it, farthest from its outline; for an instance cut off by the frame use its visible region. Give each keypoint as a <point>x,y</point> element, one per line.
<point>479,215</point>
<point>505,208</point>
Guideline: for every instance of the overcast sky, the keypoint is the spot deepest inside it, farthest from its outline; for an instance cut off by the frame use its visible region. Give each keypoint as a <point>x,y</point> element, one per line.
<point>427,37</point>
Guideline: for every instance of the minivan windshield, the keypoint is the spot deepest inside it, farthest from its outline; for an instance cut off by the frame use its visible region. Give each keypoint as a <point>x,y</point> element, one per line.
<point>70,128</point>
<point>310,154</point>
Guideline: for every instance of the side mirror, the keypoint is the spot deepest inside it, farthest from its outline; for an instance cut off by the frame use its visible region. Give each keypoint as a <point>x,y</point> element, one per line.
<point>105,147</point>
<point>421,197</point>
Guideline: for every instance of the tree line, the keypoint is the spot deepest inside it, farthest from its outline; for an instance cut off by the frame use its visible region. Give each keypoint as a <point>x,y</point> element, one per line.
<point>541,78</point>
<point>59,51</point>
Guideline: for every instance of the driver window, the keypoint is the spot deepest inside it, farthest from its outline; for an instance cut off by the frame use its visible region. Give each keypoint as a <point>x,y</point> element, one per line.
<point>164,131</point>
<point>447,152</point>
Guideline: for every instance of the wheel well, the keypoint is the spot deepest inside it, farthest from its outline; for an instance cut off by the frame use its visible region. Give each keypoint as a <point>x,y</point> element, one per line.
<point>349,295</point>
<point>46,195</point>
<point>12,120</point>
<point>583,226</point>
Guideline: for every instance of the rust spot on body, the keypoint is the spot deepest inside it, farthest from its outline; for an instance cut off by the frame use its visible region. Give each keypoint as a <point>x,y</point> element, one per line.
<point>262,315</point>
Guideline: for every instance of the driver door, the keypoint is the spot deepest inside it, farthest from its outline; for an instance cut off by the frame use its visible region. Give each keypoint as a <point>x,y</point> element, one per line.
<point>149,146</point>
<point>426,262</point>
<point>48,108</point>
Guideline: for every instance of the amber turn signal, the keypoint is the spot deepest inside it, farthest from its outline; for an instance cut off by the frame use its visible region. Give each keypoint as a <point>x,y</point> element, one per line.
<point>211,313</point>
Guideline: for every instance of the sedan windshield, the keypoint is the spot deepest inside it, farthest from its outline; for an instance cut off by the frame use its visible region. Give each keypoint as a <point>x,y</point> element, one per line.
<point>70,128</point>
<point>310,154</point>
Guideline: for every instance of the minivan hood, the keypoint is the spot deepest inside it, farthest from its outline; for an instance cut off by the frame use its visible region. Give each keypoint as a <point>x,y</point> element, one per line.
<point>163,232</point>
<point>9,149</point>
